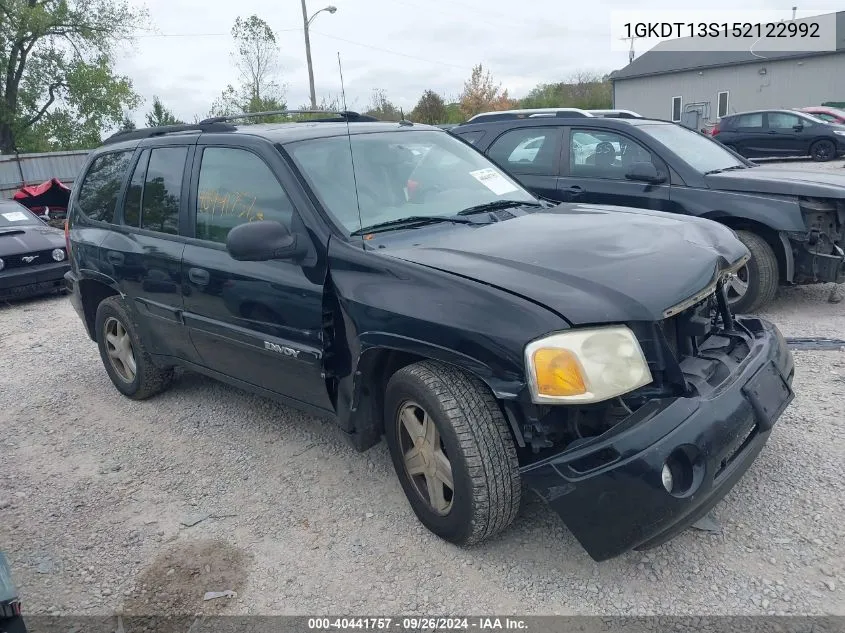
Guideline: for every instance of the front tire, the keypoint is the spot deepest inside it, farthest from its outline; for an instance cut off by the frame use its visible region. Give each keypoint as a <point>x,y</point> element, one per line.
<point>756,283</point>
<point>127,362</point>
<point>452,451</point>
<point>823,151</point>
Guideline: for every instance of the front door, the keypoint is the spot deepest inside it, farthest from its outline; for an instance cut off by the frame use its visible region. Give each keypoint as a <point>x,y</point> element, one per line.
<point>595,168</point>
<point>258,322</point>
<point>787,134</point>
<point>531,155</point>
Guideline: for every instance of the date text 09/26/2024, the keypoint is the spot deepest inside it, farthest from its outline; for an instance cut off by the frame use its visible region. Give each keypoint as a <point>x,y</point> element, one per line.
<point>419,623</point>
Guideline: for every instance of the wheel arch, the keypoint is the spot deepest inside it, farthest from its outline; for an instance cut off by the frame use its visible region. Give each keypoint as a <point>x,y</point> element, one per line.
<point>92,292</point>
<point>775,239</point>
<point>379,360</point>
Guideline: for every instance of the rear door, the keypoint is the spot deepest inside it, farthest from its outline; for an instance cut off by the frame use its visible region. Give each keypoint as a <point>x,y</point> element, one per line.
<point>257,322</point>
<point>595,164</point>
<point>144,251</point>
<point>748,134</point>
<point>531,155</point>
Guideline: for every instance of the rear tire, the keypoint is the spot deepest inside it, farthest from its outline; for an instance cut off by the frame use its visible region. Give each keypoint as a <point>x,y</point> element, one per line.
<point>823,151</point>
<point>761,276</point>
<point>127,362</point>
<point>470,442</point>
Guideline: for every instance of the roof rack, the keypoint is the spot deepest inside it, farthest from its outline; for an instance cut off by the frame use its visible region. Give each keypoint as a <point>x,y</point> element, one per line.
<point>340,115</point>
<point>148,132</point>
<point>222,123</point>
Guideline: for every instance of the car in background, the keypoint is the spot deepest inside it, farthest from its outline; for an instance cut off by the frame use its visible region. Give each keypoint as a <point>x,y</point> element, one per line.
<point>825,113</point>
<point>33,256</point>
<point>793,222</point>
<point>779,133</point>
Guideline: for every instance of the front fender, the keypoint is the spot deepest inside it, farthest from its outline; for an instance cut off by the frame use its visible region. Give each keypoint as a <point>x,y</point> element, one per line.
<point>385,305</point>
<point>779,213</point>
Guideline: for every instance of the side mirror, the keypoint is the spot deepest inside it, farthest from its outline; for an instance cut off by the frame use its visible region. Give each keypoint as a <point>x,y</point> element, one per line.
<point>644,172</point>
<point>798,127</point>
<point>261,241</point>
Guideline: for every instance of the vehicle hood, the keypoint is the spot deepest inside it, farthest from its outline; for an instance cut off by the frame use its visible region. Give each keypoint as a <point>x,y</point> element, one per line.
<point>787,182</point>
<point>30,238</point>
<point>589,264</point>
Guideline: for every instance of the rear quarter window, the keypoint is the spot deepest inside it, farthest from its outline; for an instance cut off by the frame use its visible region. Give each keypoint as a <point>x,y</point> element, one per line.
<point>101,185</point>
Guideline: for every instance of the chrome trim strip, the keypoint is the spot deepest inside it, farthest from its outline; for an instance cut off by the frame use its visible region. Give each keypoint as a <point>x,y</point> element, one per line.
<point>706,292</point>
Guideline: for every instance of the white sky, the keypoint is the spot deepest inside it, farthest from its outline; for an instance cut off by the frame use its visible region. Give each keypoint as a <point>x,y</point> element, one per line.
<point>425,44</point>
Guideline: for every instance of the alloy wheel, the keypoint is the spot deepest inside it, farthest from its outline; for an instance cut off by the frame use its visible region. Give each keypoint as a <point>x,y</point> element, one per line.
<point>737,285</point>
<point>425,458</point>
<point>119,349</point>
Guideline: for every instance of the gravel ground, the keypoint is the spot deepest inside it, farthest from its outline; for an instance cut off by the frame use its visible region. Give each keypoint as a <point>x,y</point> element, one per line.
<point>108,505</point>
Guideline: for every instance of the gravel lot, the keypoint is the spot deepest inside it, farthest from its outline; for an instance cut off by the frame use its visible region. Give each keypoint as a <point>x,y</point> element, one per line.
<point>97,494</point>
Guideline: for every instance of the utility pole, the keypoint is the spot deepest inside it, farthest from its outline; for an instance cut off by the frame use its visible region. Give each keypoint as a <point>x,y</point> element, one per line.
<point>630,50</point>
<point>306,22</point>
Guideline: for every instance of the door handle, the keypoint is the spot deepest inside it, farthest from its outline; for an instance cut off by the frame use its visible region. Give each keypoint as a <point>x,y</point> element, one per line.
<point>199,276</point>
<point>772,131</point>
<point>575,190</point>
<point>115,258</point>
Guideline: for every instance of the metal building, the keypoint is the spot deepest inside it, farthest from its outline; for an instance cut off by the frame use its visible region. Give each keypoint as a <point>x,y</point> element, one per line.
<point>697,88</point>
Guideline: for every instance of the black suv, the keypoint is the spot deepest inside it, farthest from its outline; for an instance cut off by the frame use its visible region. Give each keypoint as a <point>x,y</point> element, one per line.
<point>774,133</point>
<point>390,277</point>
<point>793,222</point>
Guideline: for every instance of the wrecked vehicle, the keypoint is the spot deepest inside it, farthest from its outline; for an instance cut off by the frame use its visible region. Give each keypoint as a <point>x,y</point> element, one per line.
<point>498,342</point>
<point>791,221</point>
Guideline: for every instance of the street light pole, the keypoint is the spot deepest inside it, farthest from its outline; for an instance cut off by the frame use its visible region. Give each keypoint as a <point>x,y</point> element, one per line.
<point>306,22</point>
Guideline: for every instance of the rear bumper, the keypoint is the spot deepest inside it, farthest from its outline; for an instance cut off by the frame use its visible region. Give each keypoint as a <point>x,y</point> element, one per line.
<point>71,283</point>
<point>624,505</point>
<point>25,282</point>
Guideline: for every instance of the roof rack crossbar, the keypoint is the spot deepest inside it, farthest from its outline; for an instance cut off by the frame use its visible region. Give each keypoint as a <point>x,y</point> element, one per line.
<point>346,114</point>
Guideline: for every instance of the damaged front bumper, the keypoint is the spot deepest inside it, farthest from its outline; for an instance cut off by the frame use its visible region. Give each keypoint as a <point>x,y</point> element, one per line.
<point>706,441</point>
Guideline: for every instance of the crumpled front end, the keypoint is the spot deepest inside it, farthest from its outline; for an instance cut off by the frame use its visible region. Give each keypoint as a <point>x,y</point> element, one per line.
<point>819,253</point>
<point>636,472</point>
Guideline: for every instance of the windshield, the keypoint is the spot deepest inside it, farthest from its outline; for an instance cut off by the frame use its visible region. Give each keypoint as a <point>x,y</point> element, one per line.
<point>15,215</point>
<point>699,151</point>
<point>400,175</point>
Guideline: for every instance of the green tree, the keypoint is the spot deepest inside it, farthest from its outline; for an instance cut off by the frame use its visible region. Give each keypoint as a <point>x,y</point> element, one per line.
<point>58,88</point>
<point>430,109</point>
<point>582,90</point>
<point>256,56</point>
<point>160,115</point>
<point>382,108</point>
<point>127,125</point>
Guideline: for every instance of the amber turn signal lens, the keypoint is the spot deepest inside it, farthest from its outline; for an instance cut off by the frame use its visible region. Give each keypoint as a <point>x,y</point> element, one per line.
<point>558,373</point>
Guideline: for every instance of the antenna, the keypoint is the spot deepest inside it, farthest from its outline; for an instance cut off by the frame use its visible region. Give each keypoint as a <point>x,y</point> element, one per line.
<point>349,138</point>
<point>794,9</point>
<point>342,90</point>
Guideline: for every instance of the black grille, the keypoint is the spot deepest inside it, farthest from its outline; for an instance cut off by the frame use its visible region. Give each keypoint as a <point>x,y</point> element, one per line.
<point>19,261</point>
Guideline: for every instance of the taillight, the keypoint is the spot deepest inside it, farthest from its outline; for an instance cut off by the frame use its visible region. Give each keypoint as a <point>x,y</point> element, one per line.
<point>67,237</point>
<point>716,130</point>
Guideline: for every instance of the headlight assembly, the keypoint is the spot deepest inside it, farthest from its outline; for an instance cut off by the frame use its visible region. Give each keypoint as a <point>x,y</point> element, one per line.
<point>585,365</point>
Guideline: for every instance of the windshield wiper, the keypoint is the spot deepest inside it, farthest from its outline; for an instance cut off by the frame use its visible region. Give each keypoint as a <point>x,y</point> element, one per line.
<point>498,204</point>
<point>719,171</point>
<point>410,222</point>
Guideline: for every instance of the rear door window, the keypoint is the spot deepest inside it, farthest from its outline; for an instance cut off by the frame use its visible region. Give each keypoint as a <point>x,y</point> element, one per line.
<point>99,190</point>
<point>162,195</point>
<point>749,121</point>
<point>533,150</point>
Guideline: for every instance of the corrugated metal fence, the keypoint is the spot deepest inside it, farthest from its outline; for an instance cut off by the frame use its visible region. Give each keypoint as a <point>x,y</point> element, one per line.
<point>17,170</point>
